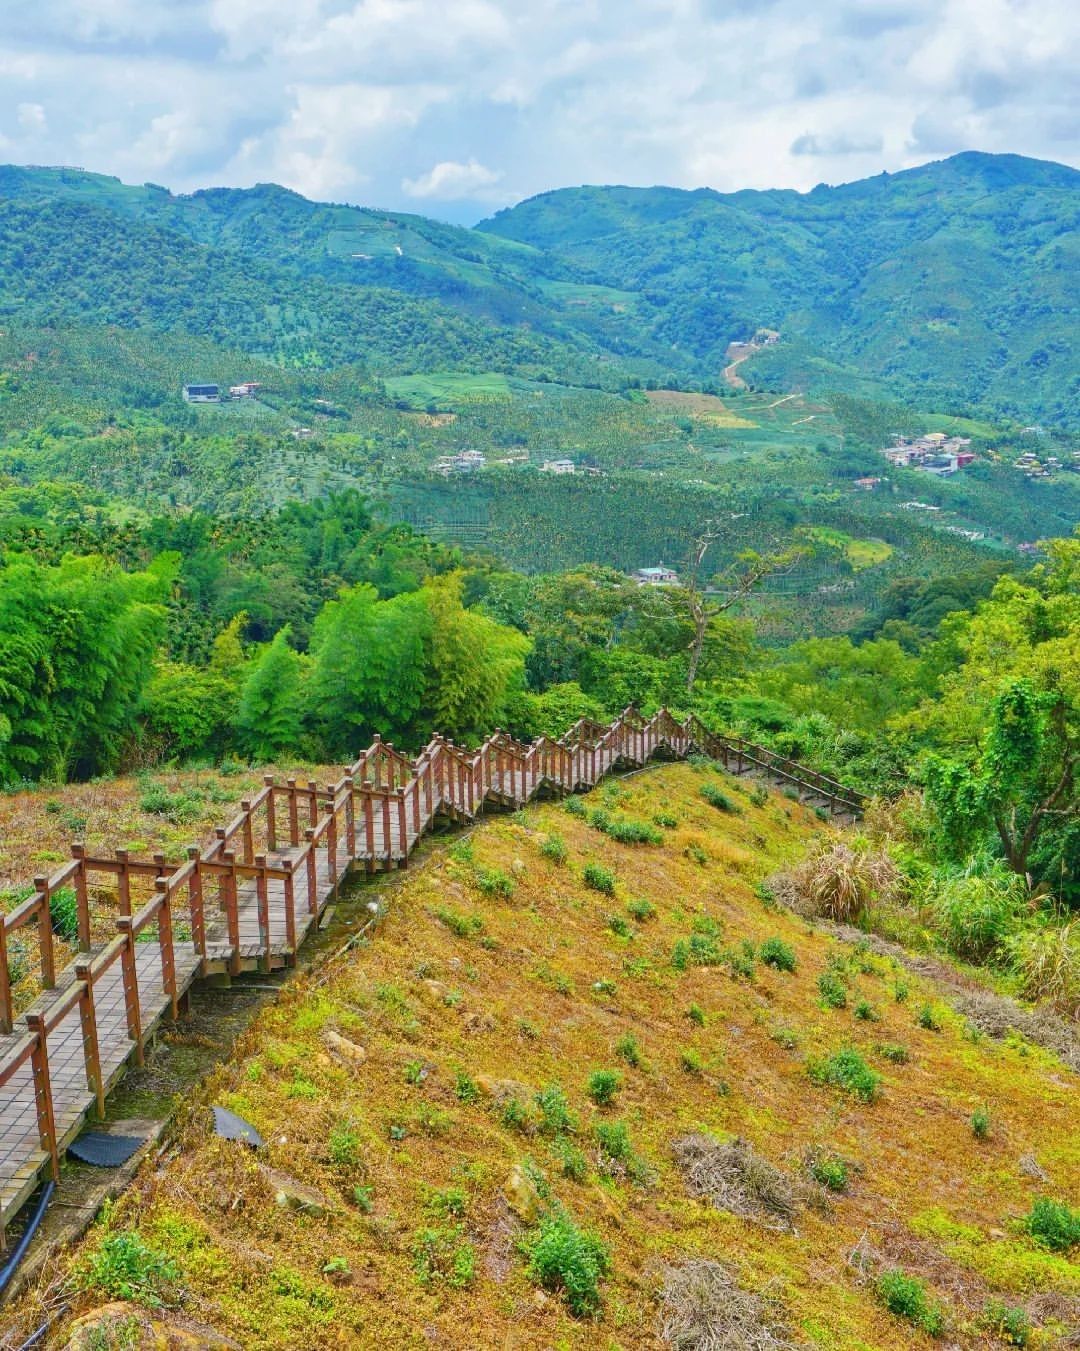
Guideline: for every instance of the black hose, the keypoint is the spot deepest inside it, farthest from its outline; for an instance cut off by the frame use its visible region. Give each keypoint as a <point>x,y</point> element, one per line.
<point>11,1265</point>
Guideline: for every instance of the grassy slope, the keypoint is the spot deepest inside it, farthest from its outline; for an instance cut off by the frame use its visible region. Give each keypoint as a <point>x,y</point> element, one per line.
<point>519,1003</point>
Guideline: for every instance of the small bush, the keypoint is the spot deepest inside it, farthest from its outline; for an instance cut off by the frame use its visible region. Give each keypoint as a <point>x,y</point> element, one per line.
<point>1047,960</point>
<point>901,991</point>
<point>839,882</point>
<point>848,1071</point>
<point>444,1255</point>
<point>628,1048</point>
<point>785,1037</point>
<point>64,914</point>
<point>740,961</point>
<point>344,1146</point>
<point>691,1061</point>
<point>906,1297</point>
<point>978,910</point>
<point>614,1139</point>
<point>1053,1225</point>
<point>459,924</point>
<point>603,1085</point>
<point>364,1197</point>
<point>555,1114</point>
<point>124,1267</point>
<point>641,909</point>
<point>865,1011</point>
<point>894,1052</point>
<point>666,820</point>
<point>716,797</point>
<point>563,1257</point>
<point>574,806</point>
<point>515,1115</point>
<point>625,829</point>
<point>494,882</point>
<point>1010,1324</point>
<point>598,878</point>
<point>696,1014</point>
<point>778,954</point>
<point>830,1171</point>
<point>928,1018</point>
<point>619,926</point>
<point>465,1089</point>
<point>980,1123</point>
<point>832,989</point>
<point>461,851</point>
<point>571,1160</point>
<point>554,848</point>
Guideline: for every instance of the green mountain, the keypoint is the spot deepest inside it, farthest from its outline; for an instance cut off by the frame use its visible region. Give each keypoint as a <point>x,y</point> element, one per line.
<point>949,285</point>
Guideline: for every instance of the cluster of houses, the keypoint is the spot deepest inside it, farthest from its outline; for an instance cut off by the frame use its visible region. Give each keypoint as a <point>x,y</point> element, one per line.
<point>934,453</point>
<point>1032,467</point>
<point>212,393</point>
<point>464,462</point>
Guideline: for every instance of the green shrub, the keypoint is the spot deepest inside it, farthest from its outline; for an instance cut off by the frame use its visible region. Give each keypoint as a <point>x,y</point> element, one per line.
<point>928,1018</point>
<point>1010,1324</point>
<point>833,990</point>
<point>865,1011</point>
<point>603,1085</point>
<point>571,1160</point>
<point>619,926</point>
<point>696,1014</point>
<point>461,851</point>
<point>980,1123</point>
<point>759,795</point>
<point>978,910</point>
<point>892,1050</point>
<point>446,1203</point>
<point>598,878</point>
<point>847,1070</point>
<point>786,1037</point>
<point>906,1297</point>
<point>641,909</point>
<point>555,1114</point>
<point>364,1196</point>
<point>776,953</point>
<point>626,830</point>
<point>691,1061</point>
<point>494,882</point>
<point>444,1255</point>
<point>614,1139</point>
<point>459,924</point>
<point>563,1257</point>
<point>901,991</point>
<point>1053,1225</point>
<point>604,987</point>
<point>666,820</point>
<point>740,961</point>
<point>64,914</point>
<point>515,1115</point>
<point>122,1266</point>
<point>554,848</point>
<point>628,1048</point>
<point>574,805</point>
<point>716,797</point>
<point>465,1088</point>
<point>831,1171</point>
<point>344,1146</point>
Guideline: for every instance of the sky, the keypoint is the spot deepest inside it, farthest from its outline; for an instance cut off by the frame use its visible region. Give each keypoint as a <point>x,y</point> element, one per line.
<point>456,108</point>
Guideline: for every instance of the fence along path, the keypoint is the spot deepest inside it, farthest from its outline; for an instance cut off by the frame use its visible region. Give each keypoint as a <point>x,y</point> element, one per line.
<point>247,899</point>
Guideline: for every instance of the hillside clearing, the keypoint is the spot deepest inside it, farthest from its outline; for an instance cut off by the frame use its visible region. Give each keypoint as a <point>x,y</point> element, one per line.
<point>441,1092</point>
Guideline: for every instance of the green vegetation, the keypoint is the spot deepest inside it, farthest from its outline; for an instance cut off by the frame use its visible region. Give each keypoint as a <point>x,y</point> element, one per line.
<point>570,1260</point>
<point>123,1266</point>
<point>906,1297</point>
<point>1054,1225</point>
<point>847,1070</point>
<point>603,1086</point>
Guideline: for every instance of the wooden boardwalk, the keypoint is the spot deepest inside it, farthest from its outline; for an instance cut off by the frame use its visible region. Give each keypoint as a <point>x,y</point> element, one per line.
<point>248,898</point>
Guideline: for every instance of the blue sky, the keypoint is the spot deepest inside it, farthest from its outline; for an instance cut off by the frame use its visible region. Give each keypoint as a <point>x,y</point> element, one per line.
<point>456,108</point>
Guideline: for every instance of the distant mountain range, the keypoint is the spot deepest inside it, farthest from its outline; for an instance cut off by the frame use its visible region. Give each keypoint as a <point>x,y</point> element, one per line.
<point>950,286</point>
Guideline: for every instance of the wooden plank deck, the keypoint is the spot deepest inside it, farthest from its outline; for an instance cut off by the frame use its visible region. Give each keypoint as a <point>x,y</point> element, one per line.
<point>247,901</point>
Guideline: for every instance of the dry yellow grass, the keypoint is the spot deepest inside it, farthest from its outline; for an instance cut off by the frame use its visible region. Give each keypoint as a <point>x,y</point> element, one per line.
<point>538,987</point>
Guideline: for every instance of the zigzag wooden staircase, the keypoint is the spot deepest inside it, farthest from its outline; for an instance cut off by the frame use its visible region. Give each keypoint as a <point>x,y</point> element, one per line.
<point>249,897</point>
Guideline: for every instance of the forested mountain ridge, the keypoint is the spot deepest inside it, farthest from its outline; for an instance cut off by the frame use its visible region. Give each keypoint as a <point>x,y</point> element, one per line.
<point>946,286</point>
<point>946,283</point>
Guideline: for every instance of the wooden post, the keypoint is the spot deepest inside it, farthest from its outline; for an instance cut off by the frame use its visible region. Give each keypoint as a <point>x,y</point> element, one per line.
<point>249,834</point>
<point>78,851</point>
<point>45,935</point>
<point>312,873</point>
<point>290,913</point>
<point>263,903</point>
<point>414,788</point>
<point>165,943</point>
<point>195,903</point>
<point>388,844</point>
<point>331,843</point>
<point>91,1052</point>
<point>130,974</point>
<point>369,824</point>
<point>5,982</point>
<point>123,882</point>
<point>294,821</point>
<point>230,897</point>
<point>313,802</point>
<point>43,1100</point>
<point>350,818</point>
<point>403,829</point>
<point>271,813</point>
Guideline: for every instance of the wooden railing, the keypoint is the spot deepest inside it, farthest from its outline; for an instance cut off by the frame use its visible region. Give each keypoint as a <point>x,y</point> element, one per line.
<point>247,899</point>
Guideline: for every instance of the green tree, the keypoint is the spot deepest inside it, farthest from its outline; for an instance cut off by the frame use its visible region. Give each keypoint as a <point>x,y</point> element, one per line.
<point>269,718</point>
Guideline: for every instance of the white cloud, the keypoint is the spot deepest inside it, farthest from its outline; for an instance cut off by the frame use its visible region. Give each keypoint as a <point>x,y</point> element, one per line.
<point>31,116</point>
<point>353,98</point>
<point>449,181</point>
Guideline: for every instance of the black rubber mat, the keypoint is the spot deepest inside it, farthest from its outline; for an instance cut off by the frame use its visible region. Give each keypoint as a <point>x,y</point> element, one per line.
<point>104,1150</point>
<point>232,1127</point>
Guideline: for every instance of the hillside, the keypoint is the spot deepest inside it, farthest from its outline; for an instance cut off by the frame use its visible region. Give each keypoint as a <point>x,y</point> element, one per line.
<point>949,284</point>
<point>438,1088</point>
